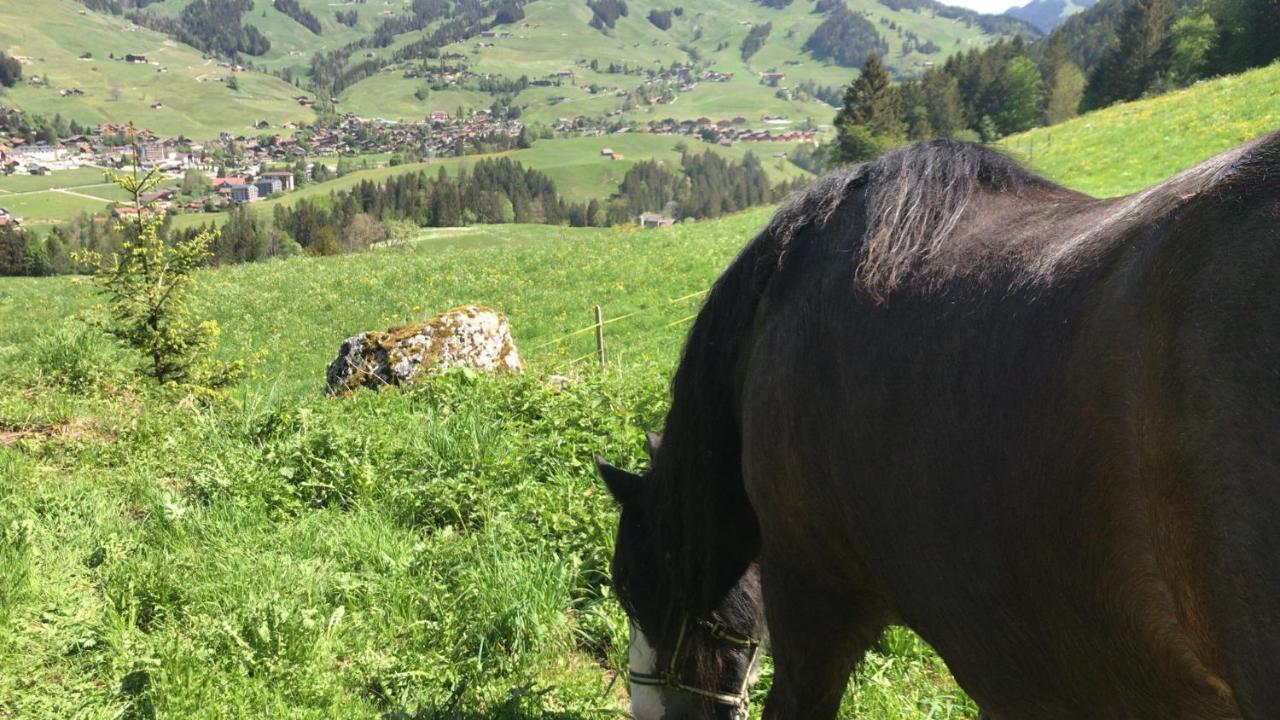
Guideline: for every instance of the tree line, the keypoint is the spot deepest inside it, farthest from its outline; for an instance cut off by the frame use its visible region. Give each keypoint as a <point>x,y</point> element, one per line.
<point>493,191</point>
<point>300,15</point>
<point>10,70</point>
<point>213,26</point>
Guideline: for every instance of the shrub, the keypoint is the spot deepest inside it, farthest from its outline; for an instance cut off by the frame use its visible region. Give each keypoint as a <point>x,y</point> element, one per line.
<point>148,287</point>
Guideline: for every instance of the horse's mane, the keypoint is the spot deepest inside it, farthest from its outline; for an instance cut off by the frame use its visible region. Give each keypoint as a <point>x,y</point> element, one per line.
<point>903,207</point>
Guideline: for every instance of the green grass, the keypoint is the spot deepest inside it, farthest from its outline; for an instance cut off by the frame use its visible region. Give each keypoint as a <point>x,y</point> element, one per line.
<point>54,33</point>
<point>1131,146</point>
<point>434,552</point>
<point>46,200</point>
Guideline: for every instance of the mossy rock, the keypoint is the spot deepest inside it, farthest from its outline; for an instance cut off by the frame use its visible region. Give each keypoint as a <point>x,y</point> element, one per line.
<point>470,336</point>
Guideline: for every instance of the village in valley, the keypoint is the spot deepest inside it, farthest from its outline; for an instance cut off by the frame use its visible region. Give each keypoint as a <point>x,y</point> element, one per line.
<point>245,168</point>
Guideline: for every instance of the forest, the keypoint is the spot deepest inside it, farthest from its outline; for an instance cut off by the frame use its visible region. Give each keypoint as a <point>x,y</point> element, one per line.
<point>1116,52</point>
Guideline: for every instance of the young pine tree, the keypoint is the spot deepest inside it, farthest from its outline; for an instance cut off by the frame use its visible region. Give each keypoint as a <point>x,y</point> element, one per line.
<point>148,286</point>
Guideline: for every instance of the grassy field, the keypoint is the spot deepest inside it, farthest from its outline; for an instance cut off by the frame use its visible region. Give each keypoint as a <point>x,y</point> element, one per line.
<point>55,33</point>
<point>46,200</point>
<point>438,552</point>
<point>1128,147</point>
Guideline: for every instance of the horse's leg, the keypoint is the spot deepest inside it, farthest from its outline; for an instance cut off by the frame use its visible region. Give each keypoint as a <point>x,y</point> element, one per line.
<point>817,634</point>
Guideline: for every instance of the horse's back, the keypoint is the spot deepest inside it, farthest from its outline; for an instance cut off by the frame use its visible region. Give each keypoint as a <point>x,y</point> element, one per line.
<point>1042,457</point>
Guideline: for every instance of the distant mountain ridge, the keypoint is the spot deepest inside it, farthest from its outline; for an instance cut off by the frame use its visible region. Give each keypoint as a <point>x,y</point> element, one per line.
<point>1046,15</point>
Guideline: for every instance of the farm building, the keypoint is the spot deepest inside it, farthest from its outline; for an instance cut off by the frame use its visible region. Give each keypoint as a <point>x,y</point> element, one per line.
<point>655,220</point>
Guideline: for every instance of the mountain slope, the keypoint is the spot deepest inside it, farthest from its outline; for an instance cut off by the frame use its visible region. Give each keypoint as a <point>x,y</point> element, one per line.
<point>555,37</point>
<point>380,67</point>
<point>191,90</point>
<point>1127,147</point>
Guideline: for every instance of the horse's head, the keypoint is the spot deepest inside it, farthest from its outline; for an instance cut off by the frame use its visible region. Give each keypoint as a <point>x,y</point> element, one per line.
<point>683,663</point>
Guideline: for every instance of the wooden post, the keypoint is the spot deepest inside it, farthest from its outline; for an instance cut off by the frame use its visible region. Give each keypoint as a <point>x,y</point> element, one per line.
<point>600,354</point>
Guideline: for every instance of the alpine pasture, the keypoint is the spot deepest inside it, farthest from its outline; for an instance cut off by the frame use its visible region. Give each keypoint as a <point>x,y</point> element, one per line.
<point>434,552</point>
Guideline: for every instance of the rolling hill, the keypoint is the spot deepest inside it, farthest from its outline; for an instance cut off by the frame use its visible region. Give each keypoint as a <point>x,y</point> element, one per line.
<point>1127,147</point>
<point>177,91</point>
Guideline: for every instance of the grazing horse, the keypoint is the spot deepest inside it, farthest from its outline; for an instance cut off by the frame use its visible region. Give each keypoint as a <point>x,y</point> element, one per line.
<point>1040,429</point>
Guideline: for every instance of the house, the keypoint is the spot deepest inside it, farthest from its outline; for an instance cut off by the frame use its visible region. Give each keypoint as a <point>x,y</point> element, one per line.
<point>268,186</point>
<point>131,58</point>
<point>228,182</point>
<point>244,193</point>
<point>772,78</point>
<point>285,178</point>
<point>158,195</point>
<point>655,220</point>
<point>606,152</point>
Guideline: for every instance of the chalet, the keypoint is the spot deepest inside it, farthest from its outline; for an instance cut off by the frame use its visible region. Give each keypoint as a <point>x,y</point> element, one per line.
<point>606,152</point>
<point>158,195</point>
<point>772,78</point>
<point>285,178</point>
<point>131,58</point>
<point>655,220</point>
<point>227,182</point>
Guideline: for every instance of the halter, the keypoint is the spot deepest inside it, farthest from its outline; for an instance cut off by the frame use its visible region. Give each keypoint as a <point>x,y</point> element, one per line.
<point>670,677</point>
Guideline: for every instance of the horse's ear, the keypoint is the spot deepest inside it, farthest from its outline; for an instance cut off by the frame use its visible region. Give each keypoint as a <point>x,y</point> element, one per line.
<point>652,442</point>
<point>624,486</point>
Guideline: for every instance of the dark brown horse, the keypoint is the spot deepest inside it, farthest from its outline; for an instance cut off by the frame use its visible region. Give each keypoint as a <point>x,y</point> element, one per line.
<point>1041,430</point>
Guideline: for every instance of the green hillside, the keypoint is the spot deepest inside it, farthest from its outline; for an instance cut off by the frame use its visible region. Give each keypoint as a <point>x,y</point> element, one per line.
<point>553,36</point>
<point>431,553</point>
<point>195,100</point>
<point>1130,146</point>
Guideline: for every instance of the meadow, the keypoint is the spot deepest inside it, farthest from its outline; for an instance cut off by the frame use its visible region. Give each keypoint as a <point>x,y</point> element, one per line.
<point>1131,146</point>
<point>438,551</point>
<point>55,35</point>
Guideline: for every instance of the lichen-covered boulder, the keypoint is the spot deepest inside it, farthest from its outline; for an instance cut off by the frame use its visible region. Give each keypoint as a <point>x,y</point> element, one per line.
<point>470,336</point>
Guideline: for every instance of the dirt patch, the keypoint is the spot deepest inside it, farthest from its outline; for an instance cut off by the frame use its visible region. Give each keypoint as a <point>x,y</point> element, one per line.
<point>68,431</point>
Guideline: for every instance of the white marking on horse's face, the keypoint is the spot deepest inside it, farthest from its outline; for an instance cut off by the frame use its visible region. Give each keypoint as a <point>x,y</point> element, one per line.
<point>646,700</point>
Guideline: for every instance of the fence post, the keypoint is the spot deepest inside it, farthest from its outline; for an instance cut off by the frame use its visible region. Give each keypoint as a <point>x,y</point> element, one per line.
<point>600,355</point>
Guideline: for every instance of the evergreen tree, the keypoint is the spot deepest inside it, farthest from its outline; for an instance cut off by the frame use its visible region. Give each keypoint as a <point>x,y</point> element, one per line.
<point>941,95</point>
<point>1139,56</point>
<point>871,119</point>
<point>10,70</point>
